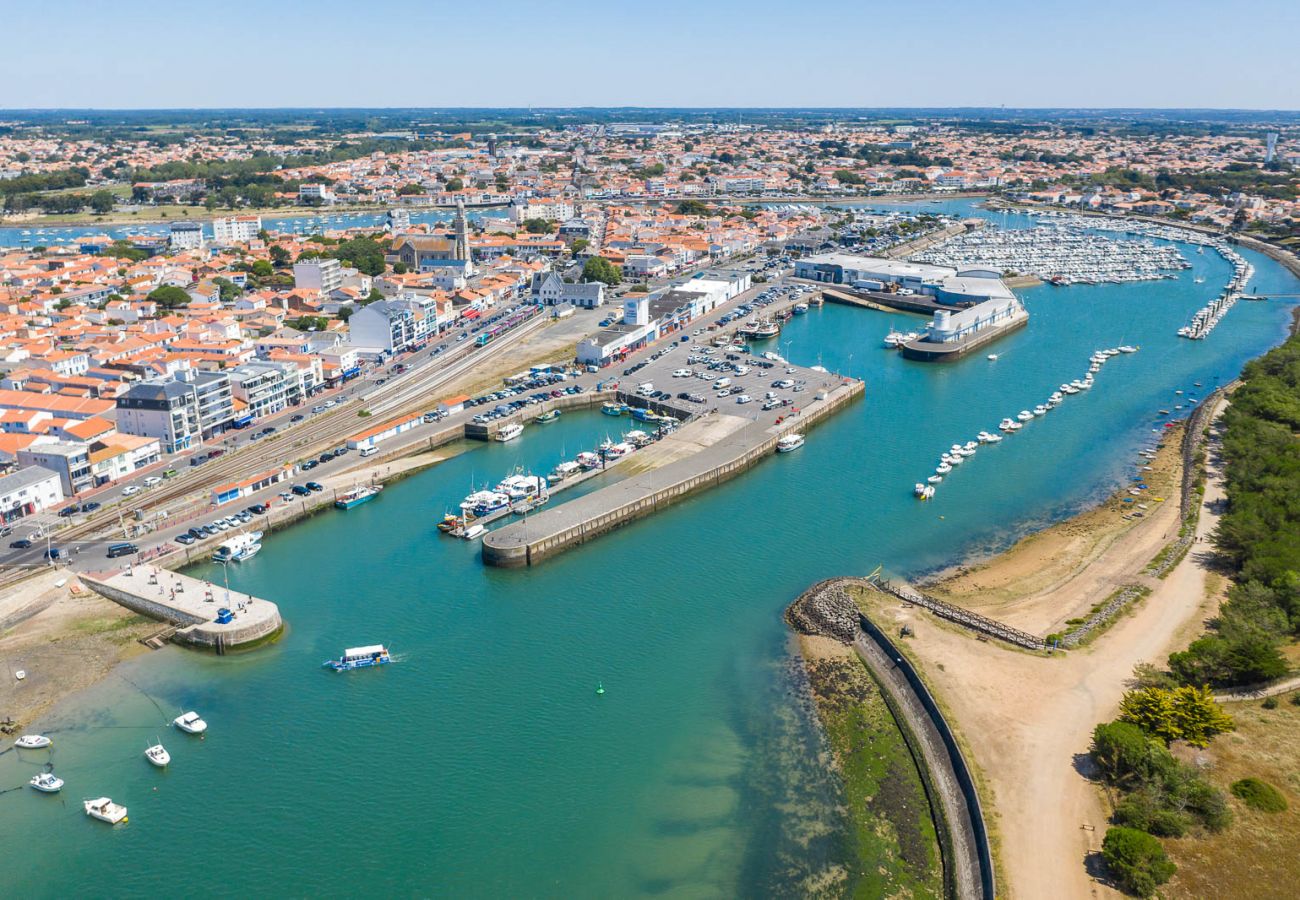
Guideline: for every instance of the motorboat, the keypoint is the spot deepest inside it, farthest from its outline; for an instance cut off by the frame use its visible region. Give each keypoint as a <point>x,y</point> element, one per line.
<point>33,742</point>
<point>1040,410</point>
<point>190,722</point>
<point>510,431</point>
<point>993,357</point>
<point>549,416</point>
<point>105,810</point>
<point>942,469</point>
<point>993,438</point>
<point>360,658</point>
<point>239,548</point>
<point>158,755</point>
<point>789,443</point>
<point>470,532</point>
<point>47,783</point>
<point>522,487</point>
<point>566,469</point>
<point>588,460</point>
<point>480,503</point>
<point>618,450</point>
<point>637,438</point>
<point>612,409</point>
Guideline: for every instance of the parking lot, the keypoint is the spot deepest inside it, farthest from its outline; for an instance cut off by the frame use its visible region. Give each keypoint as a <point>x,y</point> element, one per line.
<point>695,375</point>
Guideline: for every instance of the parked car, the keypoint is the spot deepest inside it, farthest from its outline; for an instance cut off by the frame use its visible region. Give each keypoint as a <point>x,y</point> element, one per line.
<point>90,507</point>
<point>130,489</point>
<point>315,486</point>
<point>116,550</point>
<point>186,539</point>
<point>20,544</point>
<point>300,490</point>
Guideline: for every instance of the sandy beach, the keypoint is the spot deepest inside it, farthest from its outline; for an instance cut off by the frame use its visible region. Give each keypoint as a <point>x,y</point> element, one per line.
<point>65,638</point>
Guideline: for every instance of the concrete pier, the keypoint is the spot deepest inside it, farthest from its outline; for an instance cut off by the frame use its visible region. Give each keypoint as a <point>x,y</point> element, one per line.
<point>555,530</point>
<point>929,351</point>
<point>189,604</point>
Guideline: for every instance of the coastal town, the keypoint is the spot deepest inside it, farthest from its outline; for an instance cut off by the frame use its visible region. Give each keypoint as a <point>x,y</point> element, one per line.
<point>482,346</point>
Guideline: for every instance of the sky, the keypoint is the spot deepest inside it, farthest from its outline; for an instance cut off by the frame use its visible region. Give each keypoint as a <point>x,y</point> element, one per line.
<point>132,54</point>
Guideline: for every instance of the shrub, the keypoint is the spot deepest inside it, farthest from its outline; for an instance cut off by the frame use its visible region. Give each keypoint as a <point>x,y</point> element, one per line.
<point>1185,713</point>
<point>1259,795</point>
<point>1137,860</point>
<point>1270,703</point>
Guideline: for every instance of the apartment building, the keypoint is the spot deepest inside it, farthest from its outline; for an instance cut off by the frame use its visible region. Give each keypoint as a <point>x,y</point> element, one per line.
<point>322,275</point>
<point>265,388</point>
<point>236,229</point>
<point>186,236</point>
<point>70,460</point>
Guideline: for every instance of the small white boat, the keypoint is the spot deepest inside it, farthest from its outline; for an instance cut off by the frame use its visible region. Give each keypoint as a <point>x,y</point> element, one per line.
<point>789,443</point>
<point>47,783</point>
<point>105,810</point>
<point>1040,410</point>
<point>158,755</point>
<point>993,357</point>
<point>33,742</point>
<point>1024,415</point>
<point>471,532</point>
<point>934,479</point>
<point>942,469</point>
<point>510,431</point>
<point>190,722</point>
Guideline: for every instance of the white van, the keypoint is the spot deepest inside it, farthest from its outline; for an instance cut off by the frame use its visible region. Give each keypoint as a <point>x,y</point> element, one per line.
<point>369,451</point>
<point>721,383</point>
<point>646,389</point>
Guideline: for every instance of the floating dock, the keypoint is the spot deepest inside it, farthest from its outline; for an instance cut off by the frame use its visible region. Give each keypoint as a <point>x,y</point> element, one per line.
<point>193,606</point>
<point>555,530</point>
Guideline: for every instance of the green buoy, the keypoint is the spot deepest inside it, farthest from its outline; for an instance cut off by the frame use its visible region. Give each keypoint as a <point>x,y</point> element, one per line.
<point>600,687</point>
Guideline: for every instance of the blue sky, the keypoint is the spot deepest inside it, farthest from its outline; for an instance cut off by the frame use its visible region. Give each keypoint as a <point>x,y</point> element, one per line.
<point>237,53</point>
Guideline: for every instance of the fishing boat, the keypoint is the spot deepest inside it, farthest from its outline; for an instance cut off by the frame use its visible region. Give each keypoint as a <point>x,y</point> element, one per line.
<point>239,548</point>
<point>356,495</point>
<point>158,755</point>
<point>360,658</point>
<point>760,330</point>
<point>47,783</point>
<point>450,522</point>
<point>637,438</point>
<point>190,722</point>
<point>612,409</point>
<point>617,451</point>
<point>588,460</point>
<point>789,443</point>
<point>33,742</point>
<point>105,810</point>
<point>510,431</point>
<point>800,308</point>
<point>549,416</point>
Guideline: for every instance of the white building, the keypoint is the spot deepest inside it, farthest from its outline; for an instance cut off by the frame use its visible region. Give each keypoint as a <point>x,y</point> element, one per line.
<point>28,492</point>
<point>394,326</point>
<point>236,229</point>
<point>186,236</point>
<point>551,290</point>
<point>312,192</point>
<point>322,275</point>
<point>551,210</point>
<point>265,387</point>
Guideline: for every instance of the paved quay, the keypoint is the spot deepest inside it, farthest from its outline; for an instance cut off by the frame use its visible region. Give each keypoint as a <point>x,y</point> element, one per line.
<point>527,543</point>
<point>189,604</point>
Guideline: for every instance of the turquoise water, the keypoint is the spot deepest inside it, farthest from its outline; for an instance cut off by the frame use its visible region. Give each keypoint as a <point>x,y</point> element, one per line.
<point>483,763</point>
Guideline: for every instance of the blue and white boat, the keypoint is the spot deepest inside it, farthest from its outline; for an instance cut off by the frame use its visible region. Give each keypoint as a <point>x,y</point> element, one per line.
<point>360,658</point>
<point>357,495</point>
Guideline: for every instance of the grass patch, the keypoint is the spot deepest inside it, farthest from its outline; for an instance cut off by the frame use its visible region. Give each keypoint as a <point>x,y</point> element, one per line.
<point>1259,795</point>
<point>1255,855</point>
<point>895,848</point>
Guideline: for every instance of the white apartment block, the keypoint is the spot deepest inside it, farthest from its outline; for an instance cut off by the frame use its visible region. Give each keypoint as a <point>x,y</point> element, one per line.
<point>322,275</point>
<point>236,229</point>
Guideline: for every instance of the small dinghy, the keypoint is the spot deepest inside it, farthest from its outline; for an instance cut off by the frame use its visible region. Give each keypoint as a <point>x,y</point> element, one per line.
<point>47,783</point>
<point>190,722</point>
<point>158,755</point>
<point>33,742</point>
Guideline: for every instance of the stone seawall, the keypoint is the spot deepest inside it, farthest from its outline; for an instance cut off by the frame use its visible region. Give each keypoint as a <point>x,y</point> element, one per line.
<point>554,531</point>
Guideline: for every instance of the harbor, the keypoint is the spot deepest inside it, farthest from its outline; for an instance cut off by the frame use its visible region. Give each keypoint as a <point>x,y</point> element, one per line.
<point>676,615</point>
<point>552,532</point>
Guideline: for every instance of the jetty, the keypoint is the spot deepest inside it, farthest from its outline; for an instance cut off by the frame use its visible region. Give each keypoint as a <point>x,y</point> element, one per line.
<point>202,614</point>
<point>527,543</point>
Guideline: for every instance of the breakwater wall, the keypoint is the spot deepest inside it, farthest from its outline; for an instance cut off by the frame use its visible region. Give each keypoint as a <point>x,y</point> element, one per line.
<point>826,608</point>
<point>554,531</point>
<point>192,608</point>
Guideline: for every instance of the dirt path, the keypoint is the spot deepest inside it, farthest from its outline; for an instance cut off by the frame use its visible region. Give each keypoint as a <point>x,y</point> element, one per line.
<point>1027,720</point>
